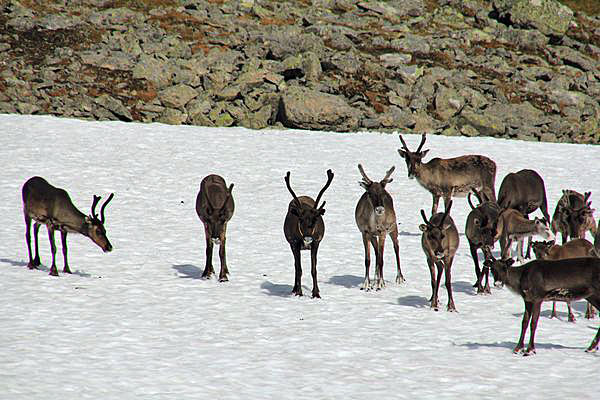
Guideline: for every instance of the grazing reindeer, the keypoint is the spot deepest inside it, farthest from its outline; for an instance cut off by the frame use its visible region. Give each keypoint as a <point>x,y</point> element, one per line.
<point>547,250</point>
<point>52,206</point>
<point>481,231</point>
<point>440,241</point>
<point>512,225</point>
<point>451,177</point>
<point>304,229</point>
<point>543,280</point>
<point>376,218</point>
<point>215,206</point>
<point>573,215</point>
<point>525,192</point>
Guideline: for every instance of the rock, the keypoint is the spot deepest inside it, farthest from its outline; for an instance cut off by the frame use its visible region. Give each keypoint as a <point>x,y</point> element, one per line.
<point>447,103</point>
<point>483,123</point>
<point>115,106</point>
<point>392,60</point>
<point>159,72</point>
<point>548,16</point>
<point>308,109</point>
<point>177,96</point>
<point>172,116</point>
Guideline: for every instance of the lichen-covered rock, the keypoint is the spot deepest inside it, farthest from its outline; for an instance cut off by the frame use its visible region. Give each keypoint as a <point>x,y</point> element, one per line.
<point>548,16</point>
<point>177,96</point>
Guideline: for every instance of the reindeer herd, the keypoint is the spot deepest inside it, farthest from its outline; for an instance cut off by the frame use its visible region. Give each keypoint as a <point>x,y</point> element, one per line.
<point>566,272</point>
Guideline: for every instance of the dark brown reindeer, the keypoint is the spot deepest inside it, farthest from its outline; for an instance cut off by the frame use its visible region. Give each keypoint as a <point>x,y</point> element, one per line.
<point>544,280</point>
<point>481,231</point>
<point>376,218</point>
<point>52,206</point>
<point>573,215</point>
<point>304,230</point>
<point>440,241</point>
<point>451,177</point>
<point>215,206</point>
<point>548,250</point>
<point>525,192</point>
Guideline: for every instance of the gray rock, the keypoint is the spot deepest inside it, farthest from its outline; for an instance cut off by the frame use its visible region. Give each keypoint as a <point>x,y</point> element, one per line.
<point>172,116</point>
<point>308,109</point>
<point>115,106</point>
<point>484,123</point>
<point>177,96</point>
<point>548,16</point>
<point>157,71</point>
<point>448,102</point>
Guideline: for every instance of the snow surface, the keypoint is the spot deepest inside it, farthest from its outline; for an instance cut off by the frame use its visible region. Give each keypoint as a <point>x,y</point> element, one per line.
<point>140,323</point>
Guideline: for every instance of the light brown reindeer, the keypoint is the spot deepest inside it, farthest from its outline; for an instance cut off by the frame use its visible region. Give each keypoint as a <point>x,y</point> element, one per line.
<point>512,225</point>
<point>440,241</point>
<point>543,280</point>
<point>451,177</point>
<point>52,206</point>
<point>548,250</point>
<point>215,207</point>
<point>376,218</point>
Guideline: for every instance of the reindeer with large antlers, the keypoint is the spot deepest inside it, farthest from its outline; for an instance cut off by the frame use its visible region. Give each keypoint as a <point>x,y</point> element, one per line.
<point>52,206</point>
<point>450,177</point>
<point>376,218</point>
<point>304,230</point>
<point>573,215</point>
<point>440,242</point>
<point>215,206</point>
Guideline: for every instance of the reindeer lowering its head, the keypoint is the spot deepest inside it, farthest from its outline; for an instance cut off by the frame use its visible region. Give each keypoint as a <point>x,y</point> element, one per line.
<point>304,229</point>
<point>451,177</point>
<point>52,206</point>
<point>573,215</point>
<point>215,207</point>
<point>376,218</point>
<point>440,242</point>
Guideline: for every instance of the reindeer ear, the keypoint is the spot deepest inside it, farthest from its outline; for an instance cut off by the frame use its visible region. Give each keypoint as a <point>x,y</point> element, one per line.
<point>509,262</point>
<point>385,182</point>
<point>363,185</point>
<point>423,228</point>
<point>424,153</point>
<point>88,219</point>
<point>321,211</point>
<point>402,153</point>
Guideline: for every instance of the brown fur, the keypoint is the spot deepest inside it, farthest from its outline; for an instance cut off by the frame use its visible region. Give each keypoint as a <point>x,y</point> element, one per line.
<point>573,215</point>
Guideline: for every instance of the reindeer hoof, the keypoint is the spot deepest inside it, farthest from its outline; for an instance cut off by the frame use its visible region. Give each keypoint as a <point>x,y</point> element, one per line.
<point>31,266</point>
<point>224,279</point>
<point>529,352</point>
<point>316,296</point>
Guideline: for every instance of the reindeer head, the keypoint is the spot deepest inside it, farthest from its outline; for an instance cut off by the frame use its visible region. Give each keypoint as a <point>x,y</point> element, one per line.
<point>95,225</point>
<point>376,190</point>
<point>541,249</point>
<point>499,267</point>
<point>577,214</point>
<point>542,229</point>
<point>413,159</point>
<point>218,212</point>
<point>308,215</point>
<point>433,234</point>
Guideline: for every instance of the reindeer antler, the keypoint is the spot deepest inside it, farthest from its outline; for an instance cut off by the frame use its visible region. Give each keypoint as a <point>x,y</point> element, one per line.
<point>387,179</point>
<point>364,175</point>
<point>329,179</point>
<point>469,200</point>
<point>446,212</point>
<point>104,206</point>
<point>94,203</point>
<point>287,183</point>
<point>425,218</point>
<point>404,146</point>
<point>423,137</point>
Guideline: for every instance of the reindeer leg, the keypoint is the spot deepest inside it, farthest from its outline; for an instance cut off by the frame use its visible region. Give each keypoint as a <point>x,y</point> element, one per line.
<point>53,270</point>
<point>224,270</point>
<point>366,283</point>
<point>433,299</point>
<point>208,268</point>
<point>520,250</point>
<point>590,312</point>
<point>380,284</point>
<point>30,265</point>
<point>63,238</point>
<point>448,274</point>
<point>524,323</point>
<point>313,269</point>
<point>394,236</point>
<point>571,316</point>
<point>535,315</point>
<point>36,259</point>
<point>297,290</point>
<point>375,244</point>
<point>440,270</point>
<point>529,241</point>
<point>477,284</point>
<point>595,301</point>
<point>553,315</point>
<point>434,207</point>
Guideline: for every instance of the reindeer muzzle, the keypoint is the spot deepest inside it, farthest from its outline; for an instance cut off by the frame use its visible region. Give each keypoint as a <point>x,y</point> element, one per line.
<point>307,240</point>
<point>108,248</point>
<point>379,210</point>
<point>216,241</point>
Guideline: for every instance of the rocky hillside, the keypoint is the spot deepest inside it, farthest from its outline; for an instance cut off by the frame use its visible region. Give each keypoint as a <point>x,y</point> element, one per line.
<point>526,69</point>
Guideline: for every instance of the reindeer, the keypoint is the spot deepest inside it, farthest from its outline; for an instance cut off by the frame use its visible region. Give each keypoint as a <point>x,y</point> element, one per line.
<point>215,207</point>
<point>451,177</point>
<point>573,215</point>
<point>525,192</point>
<point>548,250</point>
<point>543,280</point>
<point>52,206</point>
<point>304,230</point>
<point>440,241</point>
<point>481,231</point>
<point>376,218</point>
<point>512,225</point>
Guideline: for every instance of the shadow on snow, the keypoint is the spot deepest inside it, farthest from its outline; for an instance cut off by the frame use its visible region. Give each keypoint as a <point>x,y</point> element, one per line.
<point>413,301</point>
<point>188,271</point>
<point>274,289</point>
<point>347,281</point>
<point>43,268</point>
<point>511,345</point>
